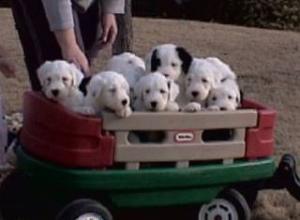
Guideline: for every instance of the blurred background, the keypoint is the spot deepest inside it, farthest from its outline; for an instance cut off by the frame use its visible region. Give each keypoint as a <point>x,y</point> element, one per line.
<point>274,14</point>
<point>277,14</point>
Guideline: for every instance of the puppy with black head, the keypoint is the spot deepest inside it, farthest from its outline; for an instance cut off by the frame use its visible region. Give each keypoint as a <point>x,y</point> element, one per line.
<point>168,59</point>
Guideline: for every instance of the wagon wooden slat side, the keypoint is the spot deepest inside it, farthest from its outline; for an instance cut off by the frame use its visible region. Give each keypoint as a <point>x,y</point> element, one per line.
<point>183,140</point>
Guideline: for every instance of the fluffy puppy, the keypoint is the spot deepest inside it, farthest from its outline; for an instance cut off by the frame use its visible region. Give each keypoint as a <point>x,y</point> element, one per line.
<point>225,97</point>
<point>129,65</point>
<point>109,91</point>
<point>154,92</point>
<point>222,70</point>
<point>168,59</point>
<point>60,81</point>
<point>202,77</point>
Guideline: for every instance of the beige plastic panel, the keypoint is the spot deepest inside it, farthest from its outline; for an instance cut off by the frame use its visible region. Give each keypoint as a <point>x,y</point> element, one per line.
<point>186,152</point>
<point>181,121</point>
<point>122,138</point>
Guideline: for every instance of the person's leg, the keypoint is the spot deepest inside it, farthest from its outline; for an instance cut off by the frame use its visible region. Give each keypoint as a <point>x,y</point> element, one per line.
<point>90,29</point>
<point>38,42</point>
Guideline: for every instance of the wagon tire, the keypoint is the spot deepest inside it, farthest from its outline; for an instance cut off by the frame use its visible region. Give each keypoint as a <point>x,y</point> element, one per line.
<point>84,209</point>
<point>13,192</point>
<point>229,205</point>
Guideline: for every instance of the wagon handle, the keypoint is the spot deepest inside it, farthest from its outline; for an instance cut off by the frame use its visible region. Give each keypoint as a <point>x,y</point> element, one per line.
<point>286,177</point>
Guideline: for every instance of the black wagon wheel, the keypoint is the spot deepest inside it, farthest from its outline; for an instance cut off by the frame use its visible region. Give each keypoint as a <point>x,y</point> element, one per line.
<point>229,205</point>
<point>84,209</point>
<point>13,191</point>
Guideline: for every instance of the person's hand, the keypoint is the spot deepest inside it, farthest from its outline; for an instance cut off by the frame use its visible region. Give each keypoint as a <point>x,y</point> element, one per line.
<point>110,30</point>
<point>70,50</point>
<point>73,54</point>
<point>7,67</point>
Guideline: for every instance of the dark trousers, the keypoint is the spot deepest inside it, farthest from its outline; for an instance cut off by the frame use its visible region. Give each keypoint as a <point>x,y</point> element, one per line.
<point>39,43</point>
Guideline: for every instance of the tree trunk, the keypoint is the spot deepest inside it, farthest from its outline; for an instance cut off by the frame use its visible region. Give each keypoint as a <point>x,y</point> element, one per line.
<point>125,34</point>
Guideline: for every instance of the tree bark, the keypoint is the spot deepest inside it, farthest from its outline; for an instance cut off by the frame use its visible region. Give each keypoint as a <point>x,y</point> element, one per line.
<point>125,33</point>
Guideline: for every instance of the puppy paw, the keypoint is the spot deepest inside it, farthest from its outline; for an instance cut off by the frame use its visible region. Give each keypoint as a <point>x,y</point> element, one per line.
<point>213,108</point>
<point>172,107</point>
<point>192,107</point>
<point>124,113</point>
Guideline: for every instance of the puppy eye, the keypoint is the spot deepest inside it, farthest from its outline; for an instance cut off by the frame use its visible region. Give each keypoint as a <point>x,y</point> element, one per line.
<point>65,79</point>
<point>189,79</point>
<point>162,91</point>
<point>147,91</point>
<point>113,90</point>
<point>174,64</point>
<point>204,80</point>
<point>48,79</point>
<point>230,97</point>
<point>214,98</point>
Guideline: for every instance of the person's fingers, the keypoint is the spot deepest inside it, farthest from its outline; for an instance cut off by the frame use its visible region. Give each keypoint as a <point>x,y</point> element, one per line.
<point>105,35</point>
<point>79,59</point>
<point>112,35</point>
<point>84,64</point>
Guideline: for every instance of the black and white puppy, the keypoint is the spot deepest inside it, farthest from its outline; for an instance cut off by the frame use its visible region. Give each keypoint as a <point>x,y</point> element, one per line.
<point>168,59</point>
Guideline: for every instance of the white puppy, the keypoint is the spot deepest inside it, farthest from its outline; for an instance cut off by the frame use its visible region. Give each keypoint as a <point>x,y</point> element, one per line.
<point>60,81</point>
<point>202,77</point>
<point>109,91</point>
<point>222,70</point>
<point>154,92</point>
<point>225,96</point>
<point>129,65</point>
<point>168,59</point>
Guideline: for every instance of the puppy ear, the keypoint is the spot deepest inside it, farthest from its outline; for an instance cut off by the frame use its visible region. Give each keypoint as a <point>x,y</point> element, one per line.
<point>95,86</point>
<point>173,90</point>
<point>83,84</point>
<point>42,71</point>
<point>138,89</point>
<point>240,98</point>
<point>152,61</point>
<point>185,57</point>
<point>77,75</point>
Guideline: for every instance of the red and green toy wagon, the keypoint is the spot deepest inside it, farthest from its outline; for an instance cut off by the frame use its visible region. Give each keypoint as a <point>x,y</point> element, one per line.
<point>72,167</point>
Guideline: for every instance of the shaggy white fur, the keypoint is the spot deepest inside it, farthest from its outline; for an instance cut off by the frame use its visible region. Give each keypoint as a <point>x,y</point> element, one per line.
<point>154,92</point>
<point>225,96</point>
<point>203,76</point>
<point>109,90</point>
<point>60,81</point>
<point>129,65</point>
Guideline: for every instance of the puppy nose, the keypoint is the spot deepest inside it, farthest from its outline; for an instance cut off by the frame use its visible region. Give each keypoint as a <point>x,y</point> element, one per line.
<point>55,92</point>
<point>153,104</point>
<point>166,75</point>
<point>124,102</point>
<point>195,93</point>
<point>223,108</point>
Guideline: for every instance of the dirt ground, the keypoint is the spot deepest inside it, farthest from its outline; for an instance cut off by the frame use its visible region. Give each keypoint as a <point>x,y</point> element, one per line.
<point>267,63</point>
